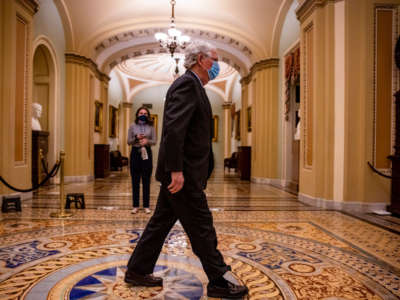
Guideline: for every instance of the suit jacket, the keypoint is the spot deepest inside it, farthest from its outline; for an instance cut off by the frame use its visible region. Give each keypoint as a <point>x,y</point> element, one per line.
<point>186,135</point>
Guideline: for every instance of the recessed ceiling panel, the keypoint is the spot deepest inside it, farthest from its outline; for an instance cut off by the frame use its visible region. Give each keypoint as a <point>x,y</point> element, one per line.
<point>161,67</point>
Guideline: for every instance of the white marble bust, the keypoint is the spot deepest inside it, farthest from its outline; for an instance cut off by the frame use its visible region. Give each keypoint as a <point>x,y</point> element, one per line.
<point>36,113</point>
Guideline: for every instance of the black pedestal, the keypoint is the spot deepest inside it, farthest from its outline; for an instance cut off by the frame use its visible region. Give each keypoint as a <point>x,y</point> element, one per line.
<point>40,140</point>
<point>11,202</point>
<point>77,198</point>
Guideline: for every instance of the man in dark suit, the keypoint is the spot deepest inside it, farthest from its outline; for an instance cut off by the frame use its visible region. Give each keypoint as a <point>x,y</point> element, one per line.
<point>185,162</point>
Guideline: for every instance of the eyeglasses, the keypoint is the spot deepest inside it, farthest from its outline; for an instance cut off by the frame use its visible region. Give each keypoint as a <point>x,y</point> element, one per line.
<point>210,57</point>
<point>214,59</point>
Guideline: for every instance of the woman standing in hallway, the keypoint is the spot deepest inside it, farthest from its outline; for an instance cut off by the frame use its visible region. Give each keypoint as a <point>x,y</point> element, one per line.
<point>141,136</point>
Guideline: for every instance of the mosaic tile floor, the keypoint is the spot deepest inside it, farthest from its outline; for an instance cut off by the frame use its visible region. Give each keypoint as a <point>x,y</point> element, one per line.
<point>278,247</point>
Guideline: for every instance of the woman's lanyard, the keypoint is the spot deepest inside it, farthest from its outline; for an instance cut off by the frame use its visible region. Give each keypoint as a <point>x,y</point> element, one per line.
<point>142,128</point>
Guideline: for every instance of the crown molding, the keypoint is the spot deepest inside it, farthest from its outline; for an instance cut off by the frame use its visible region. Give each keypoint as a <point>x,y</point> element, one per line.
<point>227,105</point>
<point>127,105</point>
<point>307,7</point>
<point>258,66</point>
<point>87,62</point>
<point>30,5</point>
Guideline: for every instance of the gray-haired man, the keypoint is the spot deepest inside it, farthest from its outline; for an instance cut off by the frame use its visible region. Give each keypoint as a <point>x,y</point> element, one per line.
<point>185,162</point>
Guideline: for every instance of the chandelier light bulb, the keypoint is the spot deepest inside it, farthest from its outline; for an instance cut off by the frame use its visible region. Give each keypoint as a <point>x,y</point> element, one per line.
<point>173,32</point>
<point>161,36</point>
<point>184,39</point>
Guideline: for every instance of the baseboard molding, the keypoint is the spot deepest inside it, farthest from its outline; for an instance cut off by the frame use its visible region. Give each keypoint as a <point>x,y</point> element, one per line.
<point>70,179</point>
<point>290,184</point>
<point>272,181</point>
<point>24,196</point>
<point>339,205</point>
<point>285,183</point>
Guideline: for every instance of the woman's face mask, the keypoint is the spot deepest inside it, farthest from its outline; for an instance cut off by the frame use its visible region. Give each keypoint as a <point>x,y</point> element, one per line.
<point>142,118</point>
<point>214,71</point>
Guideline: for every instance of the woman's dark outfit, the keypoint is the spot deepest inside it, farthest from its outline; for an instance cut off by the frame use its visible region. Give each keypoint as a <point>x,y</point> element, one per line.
<point>141,168</point>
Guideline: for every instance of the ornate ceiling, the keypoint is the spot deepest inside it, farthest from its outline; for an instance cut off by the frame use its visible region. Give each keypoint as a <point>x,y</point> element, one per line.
<point>142,42</point>
<point>151,70</point>
<point>110,32</point>
<point>161,67</point>
<point>119,35</point>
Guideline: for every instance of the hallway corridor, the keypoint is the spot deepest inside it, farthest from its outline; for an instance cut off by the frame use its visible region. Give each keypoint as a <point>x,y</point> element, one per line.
<point>277,246</point>
<point>301,96</point>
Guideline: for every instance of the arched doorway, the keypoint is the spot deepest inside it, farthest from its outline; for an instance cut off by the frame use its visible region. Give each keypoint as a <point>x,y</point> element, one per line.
<point>45,93</point>
<point>292,118</point>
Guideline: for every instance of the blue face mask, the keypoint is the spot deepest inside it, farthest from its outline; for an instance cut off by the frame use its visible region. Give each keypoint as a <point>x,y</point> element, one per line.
<point>143,118</point>
<point>214,71</point>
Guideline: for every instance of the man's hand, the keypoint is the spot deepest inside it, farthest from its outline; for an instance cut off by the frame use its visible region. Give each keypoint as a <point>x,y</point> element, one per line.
<point>177,181</point>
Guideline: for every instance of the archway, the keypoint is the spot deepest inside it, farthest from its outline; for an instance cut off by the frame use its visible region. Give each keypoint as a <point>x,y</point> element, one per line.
<point>291,117</point>
<point>45,92</point>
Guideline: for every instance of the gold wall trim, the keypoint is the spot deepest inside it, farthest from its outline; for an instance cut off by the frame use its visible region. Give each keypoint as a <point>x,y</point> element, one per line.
<point>386,83</point>
<point>87,62</point>
<point>258,66</point>
<point>31,5</point>
<point>127,105</point>
<point>227,105</point>
<point>308,101</point>
<point>306,8</point>
<point>21,95</point>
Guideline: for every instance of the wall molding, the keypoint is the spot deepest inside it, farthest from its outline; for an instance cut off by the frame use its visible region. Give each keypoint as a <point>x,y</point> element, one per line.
<point>227,105</point>
<point>87,62</point>
<point>31,5</point>
<point>70,179</point>
<point>324,203</point>
<point>259,66</point>
<point>395,9</point>
<point>271,181</point>
<point>24,196</point>
<point>339,205</point>
<point>127,105</point>
<point>307,7</point>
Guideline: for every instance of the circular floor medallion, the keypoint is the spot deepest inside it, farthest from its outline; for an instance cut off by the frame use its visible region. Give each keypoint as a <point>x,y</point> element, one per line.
<point>106,281</point>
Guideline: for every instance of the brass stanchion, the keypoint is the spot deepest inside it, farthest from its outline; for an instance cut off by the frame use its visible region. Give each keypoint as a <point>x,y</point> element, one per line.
<point>39,167</point>
<point>62,213</point>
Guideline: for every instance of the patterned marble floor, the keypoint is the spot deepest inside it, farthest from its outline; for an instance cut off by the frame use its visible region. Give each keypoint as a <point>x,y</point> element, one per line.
<point>277,246</point>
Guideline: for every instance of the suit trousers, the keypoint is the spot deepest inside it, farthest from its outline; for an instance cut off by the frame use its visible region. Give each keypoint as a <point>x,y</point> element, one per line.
<point>196,219</point>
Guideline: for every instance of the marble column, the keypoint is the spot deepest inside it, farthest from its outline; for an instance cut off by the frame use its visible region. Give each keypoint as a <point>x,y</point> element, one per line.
<point>106,111</point>
<point>260,104</point>
<point>227,129</point>
<point>79,108</point>
<point>244,135</point>
<point>317,100</point>
<point>126,121</point>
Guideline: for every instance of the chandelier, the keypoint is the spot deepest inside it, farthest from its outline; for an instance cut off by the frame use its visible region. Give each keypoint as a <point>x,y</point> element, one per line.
<point>174,39</point>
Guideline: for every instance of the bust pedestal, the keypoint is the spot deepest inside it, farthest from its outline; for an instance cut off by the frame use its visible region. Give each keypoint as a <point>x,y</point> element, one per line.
<point>40,140</point>
<point>395,199</point>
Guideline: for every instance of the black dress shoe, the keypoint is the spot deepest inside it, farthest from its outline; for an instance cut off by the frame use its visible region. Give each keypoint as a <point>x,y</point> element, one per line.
<point>231,291</point>
<point>142,280</point>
